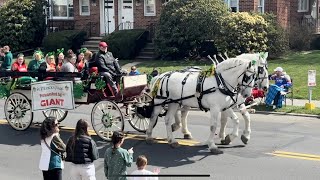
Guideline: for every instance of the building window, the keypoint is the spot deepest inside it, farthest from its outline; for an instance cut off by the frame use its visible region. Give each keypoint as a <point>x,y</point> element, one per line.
<point>61,9</point>
<point>261,6</point>
<point>233,5</point>
<point>149,7</point>
<point>303,5</point>
<point>84,7</point>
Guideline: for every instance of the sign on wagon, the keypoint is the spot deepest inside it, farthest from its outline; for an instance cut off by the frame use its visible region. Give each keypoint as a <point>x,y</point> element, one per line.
<point>52,95</point>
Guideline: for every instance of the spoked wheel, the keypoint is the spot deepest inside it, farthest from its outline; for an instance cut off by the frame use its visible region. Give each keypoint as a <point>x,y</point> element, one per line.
<point>17,110</point>
<point>106,117</point>
<point>136,120</point>
<point>60,114</point>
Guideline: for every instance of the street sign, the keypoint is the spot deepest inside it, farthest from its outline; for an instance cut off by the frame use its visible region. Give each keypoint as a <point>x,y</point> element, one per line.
<point>52,95</point>
<point>311,78</point>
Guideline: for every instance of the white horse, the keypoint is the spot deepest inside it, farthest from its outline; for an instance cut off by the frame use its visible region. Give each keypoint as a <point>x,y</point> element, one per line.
<point>234,76</point>
<point>262,82</point>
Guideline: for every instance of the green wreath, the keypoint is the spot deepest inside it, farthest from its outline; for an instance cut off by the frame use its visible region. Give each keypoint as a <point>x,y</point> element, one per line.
<point>78,92</point>
<point>100,84</point>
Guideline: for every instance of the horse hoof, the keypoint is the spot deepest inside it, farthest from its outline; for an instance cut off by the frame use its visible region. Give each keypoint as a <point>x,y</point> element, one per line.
<point>216,151</point>
<point>227,141</point>
<point>175,145</point>
<point>187,136</point>
<point>244,139</point>
<point>149,141</point>
<point>223,142</point>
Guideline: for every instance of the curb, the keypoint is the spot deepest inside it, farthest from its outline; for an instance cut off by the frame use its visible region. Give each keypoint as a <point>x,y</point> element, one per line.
<point>290,114</point>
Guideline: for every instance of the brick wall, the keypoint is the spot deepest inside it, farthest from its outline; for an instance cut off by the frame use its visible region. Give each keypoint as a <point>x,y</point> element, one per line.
<point>142,21</point>
<point>248,5</point>
<point>91,23</point>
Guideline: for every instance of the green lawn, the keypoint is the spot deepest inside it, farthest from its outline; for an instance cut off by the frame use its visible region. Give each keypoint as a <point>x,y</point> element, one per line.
<point>289,109</point>
<point>295,64</point>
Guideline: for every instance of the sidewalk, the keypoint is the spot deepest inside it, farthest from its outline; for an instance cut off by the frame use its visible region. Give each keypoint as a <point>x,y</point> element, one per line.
<point>301,102</point>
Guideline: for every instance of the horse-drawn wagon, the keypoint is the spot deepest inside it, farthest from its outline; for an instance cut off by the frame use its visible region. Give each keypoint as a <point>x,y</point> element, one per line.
<point>107,115</point>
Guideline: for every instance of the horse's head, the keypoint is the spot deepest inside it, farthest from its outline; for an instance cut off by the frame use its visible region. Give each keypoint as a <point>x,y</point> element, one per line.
<point>246,80</point>
<point>262,68</point>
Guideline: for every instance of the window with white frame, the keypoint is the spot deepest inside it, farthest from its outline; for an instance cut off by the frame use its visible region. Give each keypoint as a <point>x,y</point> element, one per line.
<point>261,6</point>
<point>303,5</point>
<point>233,5</point>
<point>62,9</point>
<point>84,7</point>
<point>149,7</point>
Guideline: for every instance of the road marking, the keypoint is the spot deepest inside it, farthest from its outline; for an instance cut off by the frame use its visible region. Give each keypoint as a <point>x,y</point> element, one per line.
<point>128,136</point>
<point>311,157</point>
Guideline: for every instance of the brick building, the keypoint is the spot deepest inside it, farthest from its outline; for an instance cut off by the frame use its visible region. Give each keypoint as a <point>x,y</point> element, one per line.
<point>99,17</point>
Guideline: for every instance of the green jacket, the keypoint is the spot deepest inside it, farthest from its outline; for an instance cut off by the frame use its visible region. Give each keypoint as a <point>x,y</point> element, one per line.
<point>116,162</point>
<point>57,146</point>
<point>34,65</point>
<point>7,61</point>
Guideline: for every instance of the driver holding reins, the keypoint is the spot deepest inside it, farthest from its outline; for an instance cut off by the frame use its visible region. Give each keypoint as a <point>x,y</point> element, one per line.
<point>108,66</point>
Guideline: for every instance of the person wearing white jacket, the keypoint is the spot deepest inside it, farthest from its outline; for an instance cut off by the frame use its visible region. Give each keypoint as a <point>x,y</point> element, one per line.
<point>52,146</point>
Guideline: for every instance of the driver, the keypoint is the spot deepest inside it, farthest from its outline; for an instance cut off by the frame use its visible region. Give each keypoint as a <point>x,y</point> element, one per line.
<point>108,66</point>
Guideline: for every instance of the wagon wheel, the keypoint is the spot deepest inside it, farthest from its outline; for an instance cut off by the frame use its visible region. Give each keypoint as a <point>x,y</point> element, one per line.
<point>17,110</point>
<point>60,114</point>
<point>137,121</point>
<point>106,117</point>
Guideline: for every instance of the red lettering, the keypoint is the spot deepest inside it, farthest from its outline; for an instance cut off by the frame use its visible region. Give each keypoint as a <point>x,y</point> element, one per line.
<point>43,103</point>
<point>50,102</point>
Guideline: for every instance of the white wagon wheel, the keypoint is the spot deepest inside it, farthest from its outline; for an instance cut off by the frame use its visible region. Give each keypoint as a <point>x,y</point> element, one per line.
<point>137,121</point>
<point>17,110</point>
<point>60,114</point>
<point>106,117</point>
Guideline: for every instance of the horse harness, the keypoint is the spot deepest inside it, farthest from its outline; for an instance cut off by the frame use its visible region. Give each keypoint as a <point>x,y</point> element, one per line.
<point>223,88</point>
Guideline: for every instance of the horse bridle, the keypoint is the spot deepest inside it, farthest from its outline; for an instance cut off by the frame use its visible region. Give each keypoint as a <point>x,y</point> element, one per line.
<point>261,70</point>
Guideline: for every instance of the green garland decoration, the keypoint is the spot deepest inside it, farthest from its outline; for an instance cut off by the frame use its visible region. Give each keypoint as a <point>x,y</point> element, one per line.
<point>4,92</point>
<point>100,84</point>
<point>78,90</point>
<point>209,72</point>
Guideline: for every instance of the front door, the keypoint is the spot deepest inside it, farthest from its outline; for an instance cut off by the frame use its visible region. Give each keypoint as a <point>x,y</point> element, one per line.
<point>126,14</point>
<point>107,20</point>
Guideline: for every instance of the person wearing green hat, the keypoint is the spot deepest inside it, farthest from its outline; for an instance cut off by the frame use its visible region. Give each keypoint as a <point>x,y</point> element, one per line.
<point>36,62</point>
<point>81,61</point>
<point>60,59</point>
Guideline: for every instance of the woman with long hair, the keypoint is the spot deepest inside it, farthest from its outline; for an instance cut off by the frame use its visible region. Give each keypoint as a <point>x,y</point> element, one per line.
<point>117,159</point>
<point>53,148</point>
<point>81,152</point>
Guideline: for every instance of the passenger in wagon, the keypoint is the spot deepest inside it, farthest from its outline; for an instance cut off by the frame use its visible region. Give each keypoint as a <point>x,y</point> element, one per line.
<point>7,59</point>
<point>81,60</point>
<point>108,66</point>
<point>19,65</point>
<point>51,64</point>
<point>69,66</point>
<point>60,59</point>
<point>34,65</point>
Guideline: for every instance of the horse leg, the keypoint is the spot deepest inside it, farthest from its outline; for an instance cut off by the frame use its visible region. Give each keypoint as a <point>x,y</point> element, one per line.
<point>172,110</point>
<point>235,132</point>
<point>175,126</point>
<point>214,113</point>
<point>184,113</point>
<point>223,120</point>
<point>156,111</point>
<point>245,137</point>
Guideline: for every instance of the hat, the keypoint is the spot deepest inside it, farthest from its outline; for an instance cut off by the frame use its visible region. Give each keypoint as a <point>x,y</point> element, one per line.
<point>278,69</point>
<point>103,44</point>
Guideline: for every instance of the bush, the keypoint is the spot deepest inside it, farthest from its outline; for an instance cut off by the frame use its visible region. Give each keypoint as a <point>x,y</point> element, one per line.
<point>243,32</point>
<point>69,39</point>
<point>125,44</point>
<point>22,24</point>
<point>185,24</point>
<point>278,40</point>
<point>300,37</point>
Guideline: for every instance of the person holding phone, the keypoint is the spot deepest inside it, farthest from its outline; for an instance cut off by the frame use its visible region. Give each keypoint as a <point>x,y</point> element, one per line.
<point>117,159</point>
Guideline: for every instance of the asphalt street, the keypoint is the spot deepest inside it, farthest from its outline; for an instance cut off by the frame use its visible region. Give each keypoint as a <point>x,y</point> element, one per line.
<point>281,147</point>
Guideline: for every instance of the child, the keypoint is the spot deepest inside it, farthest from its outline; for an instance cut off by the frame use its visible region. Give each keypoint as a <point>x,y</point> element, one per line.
<point>134,71</point>
<point>142,162</point>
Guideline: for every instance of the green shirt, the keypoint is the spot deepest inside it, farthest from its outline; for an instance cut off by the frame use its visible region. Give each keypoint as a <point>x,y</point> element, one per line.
<point>34,65</point>
<point>7,61</point>
<point>116,163</point>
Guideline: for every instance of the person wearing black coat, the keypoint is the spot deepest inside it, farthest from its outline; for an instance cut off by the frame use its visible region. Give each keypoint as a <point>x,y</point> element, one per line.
<point>81,152</point>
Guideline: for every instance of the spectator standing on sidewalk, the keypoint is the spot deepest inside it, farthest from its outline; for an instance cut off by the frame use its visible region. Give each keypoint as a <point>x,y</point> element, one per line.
<point>142,162</point>
<point>52,147</point>
<point>117,159</point>
<point>81,152</point>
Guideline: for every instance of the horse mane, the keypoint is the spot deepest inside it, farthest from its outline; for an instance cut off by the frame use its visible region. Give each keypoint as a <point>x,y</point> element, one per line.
<point>231,63</point>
